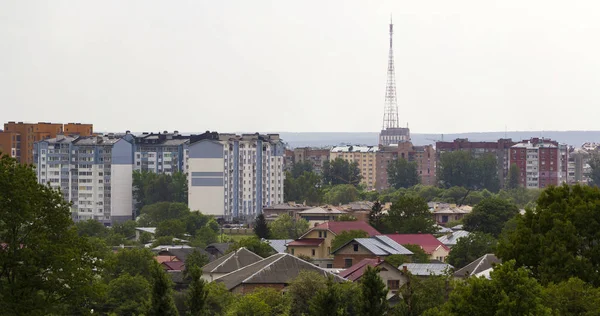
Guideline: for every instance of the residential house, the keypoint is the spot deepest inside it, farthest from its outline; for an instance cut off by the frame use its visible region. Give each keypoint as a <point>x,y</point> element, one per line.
<point>480,267</point>
<point>276,271</point>
<point>279,245</point>
<point>316,243</point>
<point>391,276</point>
<point>433,247</point>
<point>427,269</point>
<point>452,237</point>
<point>359,249</point>
<point>140,230</point>
<point>449,214</point>
<point>290,208</point>
<point>319,215</point>
<point>228,263</point>
<point>218,249</point>
<point>173,266</point>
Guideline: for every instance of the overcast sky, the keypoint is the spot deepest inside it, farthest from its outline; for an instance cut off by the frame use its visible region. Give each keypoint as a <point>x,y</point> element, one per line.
<point>300,66</point>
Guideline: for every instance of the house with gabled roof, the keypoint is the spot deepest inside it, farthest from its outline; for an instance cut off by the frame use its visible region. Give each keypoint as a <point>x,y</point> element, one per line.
<point>276,271</point>
<point>393,278</point>
<point>375,247</point>
<point>431,245</point>
<point>482,266</point>
<point>230,262</point>
<point>318,215</point>
<point>316,242</point>
<point>427,269</point>
<point>451,238</point>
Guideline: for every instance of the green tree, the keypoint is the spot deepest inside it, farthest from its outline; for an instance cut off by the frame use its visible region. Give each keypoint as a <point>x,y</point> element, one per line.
<point>397,260</point>
<point>557,239</point>
<point>462,169</point>
<point>346,218</point>
<point>471,247</point>
<point>261,229</point>
<point>150,187</point>
<point>373,299</point>
<point>302,289</point>
<point>402,174</point>
<point>306,188</point>
<point>153,214</point>
<point>129,295</point>
<point>206,236</point>
<point>253,244</point>
<point>286,227</point>
<point>197,293</point>
<point>327,301</point>
<point>418,294</point>
<point>346,236</point>
<point>170,227</point>
<point>91,228</point>
<point>419,255</point>
<point>133,261</point>
<point>162,303</point>
<point>126,228</point>
<point>299,168</point>
<point>376,216</point>
<point>594,163</point>
<point>410,215</point>
<point>341,194</point>
<point>262,301</point>
<point>340,171</point>
<point>45,267</point>
<point>196,259</point>
<point>512,180</point>
<point>219,299</point>
<point>572,297</point>
<point>489,216</point>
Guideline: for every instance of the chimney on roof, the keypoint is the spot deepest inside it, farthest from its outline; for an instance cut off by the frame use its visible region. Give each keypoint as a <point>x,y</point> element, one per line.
<point>404,269</point>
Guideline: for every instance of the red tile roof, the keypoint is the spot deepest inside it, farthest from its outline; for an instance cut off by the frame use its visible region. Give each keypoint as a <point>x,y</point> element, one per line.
<point>162,259</point>
<point>338,227</point>
<point>306,242</point>
<point>356,271</point>
<point>173,265</point>
<point>427,242</point>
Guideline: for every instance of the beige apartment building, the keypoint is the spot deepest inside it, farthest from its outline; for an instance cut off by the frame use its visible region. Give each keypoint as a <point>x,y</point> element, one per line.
<point>364,156</point>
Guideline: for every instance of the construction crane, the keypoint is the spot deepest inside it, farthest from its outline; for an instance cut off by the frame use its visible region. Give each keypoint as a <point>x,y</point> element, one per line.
<point>436,140</point>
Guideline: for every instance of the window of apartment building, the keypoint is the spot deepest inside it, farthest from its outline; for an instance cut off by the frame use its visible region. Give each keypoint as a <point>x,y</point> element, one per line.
<point>347,262</point>
<point>393,284</point>
<point>313,252</point>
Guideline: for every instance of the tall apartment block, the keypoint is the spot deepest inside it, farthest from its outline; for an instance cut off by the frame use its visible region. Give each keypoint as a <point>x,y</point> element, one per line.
<point>235,176</point>
<point>424,156</point>
<point>93,172</point>
<point>364,156</point>
<point>500,149</point>
<point>541,162</point>
<point>315,156</point>
<point>161,153</point>
<point>29,133</point>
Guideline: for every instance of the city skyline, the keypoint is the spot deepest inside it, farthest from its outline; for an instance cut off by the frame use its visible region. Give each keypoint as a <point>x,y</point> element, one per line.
<point>277,67</point>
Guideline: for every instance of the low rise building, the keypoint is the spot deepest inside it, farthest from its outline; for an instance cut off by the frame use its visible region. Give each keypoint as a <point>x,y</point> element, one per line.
<point>393,278</point>
<point>430,245</point>
<point>359,249</point>
<point>319,215</point>
<point>427,269</point>
<point>450,238</point>
<point>228,263</point>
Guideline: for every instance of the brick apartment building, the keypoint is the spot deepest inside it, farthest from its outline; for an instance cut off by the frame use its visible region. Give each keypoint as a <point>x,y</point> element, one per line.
<point>424,156</point>
<point>316,157</point>
<point>541,162</point>
<point>500,149</point>
<point>17,139</point>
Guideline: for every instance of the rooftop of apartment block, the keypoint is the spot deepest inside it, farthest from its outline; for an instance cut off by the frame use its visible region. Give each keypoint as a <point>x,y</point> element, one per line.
<point>165,138</point>
<point>234,137</point>
<point>537,143</point>
<point>352,148</point>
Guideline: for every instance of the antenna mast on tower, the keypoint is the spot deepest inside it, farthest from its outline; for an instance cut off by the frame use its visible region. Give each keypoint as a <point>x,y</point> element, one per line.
<point>390,113</point>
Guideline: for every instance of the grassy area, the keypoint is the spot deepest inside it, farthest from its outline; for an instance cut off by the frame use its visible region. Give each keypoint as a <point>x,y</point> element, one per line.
<point>237,237</point>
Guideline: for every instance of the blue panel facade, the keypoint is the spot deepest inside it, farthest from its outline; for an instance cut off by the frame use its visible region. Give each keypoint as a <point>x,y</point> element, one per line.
<point>236,177</point>
<point>207,182</point>
<point>259,179</point>
<point>207,174</point>
<point>206,149</point>
<point>122,153</point>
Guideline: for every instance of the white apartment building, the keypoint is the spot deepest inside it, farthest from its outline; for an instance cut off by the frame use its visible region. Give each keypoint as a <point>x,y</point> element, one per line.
<point>235,176</point>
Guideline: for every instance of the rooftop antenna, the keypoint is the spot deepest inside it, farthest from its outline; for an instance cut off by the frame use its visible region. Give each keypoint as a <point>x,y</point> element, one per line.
<point>390,114</point>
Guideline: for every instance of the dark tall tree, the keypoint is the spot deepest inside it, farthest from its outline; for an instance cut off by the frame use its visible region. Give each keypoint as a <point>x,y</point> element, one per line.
<point>302,289</point>
<point>512,180</point>
<point>150,188</point>
<point>341,194</point>
<point>410,215</point>
<point>490,215</point>
<point>373,299</point>
<point>402,174</point>
<point>196,259</point>
<point>261,229</point>
<point>327,301</point>
<point>376,216</point>
<point>162,293</point>
<point>305,188</point>
<point>594,164</point>
<point>471,247</point>
<point>128,295</point>
<point>45,267</point>
<point>462,169</point>
<point>197,293</point>
<point>340,171</point>
<point>299,168</point>
<point>557,239</point>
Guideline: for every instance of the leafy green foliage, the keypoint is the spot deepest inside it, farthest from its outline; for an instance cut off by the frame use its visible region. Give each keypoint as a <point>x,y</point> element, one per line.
<point>261,229</point>
<point>129,295</point>
<point>91,228</point>
<point>162,297</point>
<point>471,247</point>
<point>397,260</point>
<point>376,216</point>
<point>45,267</point>
<point>402,174</point>
<point>219,299</point>
<point>373,299</point>
<point>197,293</point>
<point>286,227</point>
<point>134,261</point>
<point>341,194</point>
<point>346,218</point>
<point>462,169</point>
<point>572,297</point>
<point>170,227</point>
<point>489,216</point>
<point>253,244</point>
<point>305,187</point>
<point>299,168</point>
<point>340,171</point>
<point>557,239</point>
<point>345,236</point>
<point>409,215</point>
<point>422,294</point>
<point>328,301</point>
<point>512,180</point>
<point>419,255</point>
<point>150,188</point>
<point>302,289</point>
<point>195,259</point>
<point>594,175</point>
<point>154,214</point>
<point>262,301</point>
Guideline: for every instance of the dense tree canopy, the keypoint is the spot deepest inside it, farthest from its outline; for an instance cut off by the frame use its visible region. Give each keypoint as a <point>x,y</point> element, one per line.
<point>512,179</point>
<point>462,169</point>
<point>151,187</point>
<point>558,239</point>
<point>341,194</point>
<point>594,164</point>
<point>409,215</point>
<point>305,188</point>
<point>340,171</point>
<point>471,247</point>
<point>45,267</point>
<point>253,244</point>
<point>402,174</point>
<point>490,215</point>
<point>373,299</point>
<point>286,227</point>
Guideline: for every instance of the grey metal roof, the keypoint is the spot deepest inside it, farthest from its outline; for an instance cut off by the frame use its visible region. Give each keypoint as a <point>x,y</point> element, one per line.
<point>382,246</point>
<point>232,261</point>
<point>279,244</point>
<point>320,210</point>
<point>427,269</point>
<point>279,268</point>
<point>451,238</point>
<point>220,247</point>
<point>442,229</point>
<point>479,265</point>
